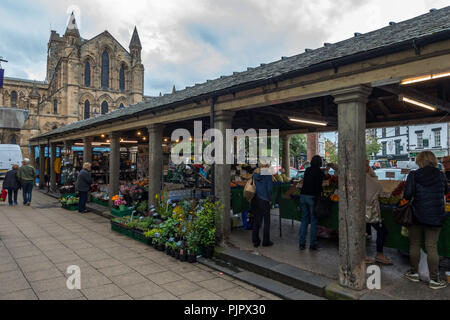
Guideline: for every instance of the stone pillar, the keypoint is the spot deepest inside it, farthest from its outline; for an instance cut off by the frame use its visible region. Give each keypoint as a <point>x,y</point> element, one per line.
<point>41,166</point>
<point>32,156</point>
<point>286,163</point>
<point>52,168</point>
<point>155,160</point>
<point>352,185</point>
<point>312,148</point>
<point>114,165</point>
<point>87,149</point>
<point>222,177</point>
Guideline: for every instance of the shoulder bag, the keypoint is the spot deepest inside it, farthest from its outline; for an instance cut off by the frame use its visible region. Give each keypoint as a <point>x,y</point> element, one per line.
<point>403,215</point>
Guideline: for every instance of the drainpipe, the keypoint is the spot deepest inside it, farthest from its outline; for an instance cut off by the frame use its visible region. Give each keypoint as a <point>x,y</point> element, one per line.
<point>211,125</point>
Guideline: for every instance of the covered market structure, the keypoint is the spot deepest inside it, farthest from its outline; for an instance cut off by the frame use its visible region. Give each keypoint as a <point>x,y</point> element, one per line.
<point>397,75</point>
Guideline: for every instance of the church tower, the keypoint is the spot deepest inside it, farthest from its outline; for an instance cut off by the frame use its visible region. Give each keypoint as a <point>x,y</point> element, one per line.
<point>137,69</point>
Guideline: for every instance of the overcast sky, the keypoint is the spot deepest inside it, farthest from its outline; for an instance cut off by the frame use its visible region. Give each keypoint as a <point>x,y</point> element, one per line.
<point>187,42</point>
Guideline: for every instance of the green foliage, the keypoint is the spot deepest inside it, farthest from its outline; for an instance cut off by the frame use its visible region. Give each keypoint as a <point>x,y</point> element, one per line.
<point>331,152</point>
<point>372,146</point>
<point>297,145</point>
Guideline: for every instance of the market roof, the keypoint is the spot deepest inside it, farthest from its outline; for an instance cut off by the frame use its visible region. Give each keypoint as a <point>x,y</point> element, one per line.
<point>432,24</point>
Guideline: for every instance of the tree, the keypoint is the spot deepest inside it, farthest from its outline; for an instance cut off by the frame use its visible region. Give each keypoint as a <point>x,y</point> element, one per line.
<point>372,146</point>
<point>298,145</point>
<point>331,154</point>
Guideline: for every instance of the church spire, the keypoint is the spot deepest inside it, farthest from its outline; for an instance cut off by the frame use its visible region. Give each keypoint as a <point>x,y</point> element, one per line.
<point>72,28</point>
<point>135,41</point>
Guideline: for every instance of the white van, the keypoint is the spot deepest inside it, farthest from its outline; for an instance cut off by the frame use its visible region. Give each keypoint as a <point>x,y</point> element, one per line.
<point>9,154</point>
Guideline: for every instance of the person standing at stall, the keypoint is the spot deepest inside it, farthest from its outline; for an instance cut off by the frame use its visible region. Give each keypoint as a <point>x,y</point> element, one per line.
<point>83,185</point>
<point>12,184</point>
<point>261,205</point>
<point>311,190</point>
<point>27,176</point>
<point>427,188</point>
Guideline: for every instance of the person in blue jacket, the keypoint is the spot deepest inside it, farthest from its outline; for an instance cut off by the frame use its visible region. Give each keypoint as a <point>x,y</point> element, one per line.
<point>261,204</point>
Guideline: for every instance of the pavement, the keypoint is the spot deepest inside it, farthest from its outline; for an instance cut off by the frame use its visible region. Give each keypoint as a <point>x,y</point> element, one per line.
<point>38,243</point>
<point>317,272</point>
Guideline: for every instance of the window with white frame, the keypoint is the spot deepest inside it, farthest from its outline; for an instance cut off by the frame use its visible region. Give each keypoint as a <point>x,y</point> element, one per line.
<point>419,140</point>
<point>437,138</point>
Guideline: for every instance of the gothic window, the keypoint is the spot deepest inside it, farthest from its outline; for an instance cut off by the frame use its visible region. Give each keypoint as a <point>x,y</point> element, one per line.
<point>87,74</point>
<point>104,107</point>
<point>121,106</point>
<point>14,99</point>
<point>55,106</point>
<point>122,78</point>
<point>105,69</point>
<point>87,109</point>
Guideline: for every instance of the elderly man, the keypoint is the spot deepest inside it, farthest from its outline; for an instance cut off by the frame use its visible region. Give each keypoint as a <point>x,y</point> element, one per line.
<point>27,176</point>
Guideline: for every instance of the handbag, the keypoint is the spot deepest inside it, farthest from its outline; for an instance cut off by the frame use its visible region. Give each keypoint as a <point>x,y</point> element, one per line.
<point>322,208</point>
<point>403,215</point>
<point>373,213</point>
<point>249,190</point>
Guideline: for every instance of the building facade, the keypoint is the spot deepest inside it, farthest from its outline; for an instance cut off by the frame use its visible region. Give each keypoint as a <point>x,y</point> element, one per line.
<point>394,143</point>
<point>85,78</point>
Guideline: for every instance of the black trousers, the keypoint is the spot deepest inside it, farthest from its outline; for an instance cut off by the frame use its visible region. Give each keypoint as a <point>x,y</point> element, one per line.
<point>12,192</point>
<point>82,201</point>
<point>382,233</point>
<point>261,212</point>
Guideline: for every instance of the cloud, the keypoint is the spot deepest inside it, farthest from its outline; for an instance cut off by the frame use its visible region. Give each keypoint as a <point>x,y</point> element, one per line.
<point>188,42</point>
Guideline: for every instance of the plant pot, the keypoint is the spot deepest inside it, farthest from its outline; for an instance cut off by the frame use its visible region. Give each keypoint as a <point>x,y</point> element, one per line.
<point>161,247</point>
<point>192,258</point>
<point>177,254</point>
<point>167,251</point>
<point>173,253</point>
<point>183,256</point>
<point>208,252</point>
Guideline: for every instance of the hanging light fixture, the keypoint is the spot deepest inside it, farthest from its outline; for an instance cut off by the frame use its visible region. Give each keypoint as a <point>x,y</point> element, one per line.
<point>139,133</point>
<point>313,122</point>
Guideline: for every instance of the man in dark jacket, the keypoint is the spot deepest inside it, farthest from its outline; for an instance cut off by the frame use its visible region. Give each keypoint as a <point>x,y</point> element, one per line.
<point>311,190</point>
<point>83,185</point>
<point>427,188</point>
<point>12,184</point>
<point>261,206</point>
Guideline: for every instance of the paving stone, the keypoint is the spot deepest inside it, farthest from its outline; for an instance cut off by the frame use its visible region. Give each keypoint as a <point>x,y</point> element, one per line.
<point>8,286</point>
<point>11,275</point>
<point>96,257</point>
<point>49,284</point>
<point>26,253</point>
<point>64,258</point>
<point>103,292</point>
<point>181,287</point>
<point>122,297</point>
<point>8,267</point>
<point>216,284</point>
<point>199,275</point>
<point>115,270</point>
<point>32,260</point>
<point>30,267</point>
<point>238,293</point>
<point>164,277</point>
<point>60,294</point>
<point>138,261</point>
<point>26,294</point>
<point>50,273</point>
<point>202,294</point>
<point>90,280</point>
<point>110,262</point>
<point>145,288</point>
<point>149,269</point>
<point>160,296</point>
<point>128,279</point>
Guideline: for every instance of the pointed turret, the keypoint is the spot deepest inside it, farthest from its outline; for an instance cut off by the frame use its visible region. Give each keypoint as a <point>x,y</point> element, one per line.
<point>135,42</point>
<point>174,89</point>
<point>72,28</point>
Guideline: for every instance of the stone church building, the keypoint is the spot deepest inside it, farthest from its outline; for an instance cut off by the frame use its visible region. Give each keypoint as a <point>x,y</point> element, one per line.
<point>85,78</point>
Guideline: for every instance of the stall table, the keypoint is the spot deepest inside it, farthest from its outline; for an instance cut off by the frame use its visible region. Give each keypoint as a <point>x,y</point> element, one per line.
<point>290,209</point>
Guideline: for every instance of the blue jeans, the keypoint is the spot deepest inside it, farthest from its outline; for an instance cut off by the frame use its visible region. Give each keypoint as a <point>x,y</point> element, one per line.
<point>11,192</point>
<point>307,207</point>
<point>27,190</point>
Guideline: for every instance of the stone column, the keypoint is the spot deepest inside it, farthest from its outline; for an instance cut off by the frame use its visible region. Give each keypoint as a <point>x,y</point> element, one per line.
<point>41,166</point>
<point>352,185</point>
<point>222,177</point>
<point>312,145</point>
<point>286,163</point>
<point>155,160</point>
<point>52,168</point>
<point>87,149</point>
<point>33,156</point>
<point>114,165</point>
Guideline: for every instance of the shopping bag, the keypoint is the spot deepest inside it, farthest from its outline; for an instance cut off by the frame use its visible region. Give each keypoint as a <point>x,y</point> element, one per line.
<point>249,190</point>
<point>424,272</point>
<point>3,195</point>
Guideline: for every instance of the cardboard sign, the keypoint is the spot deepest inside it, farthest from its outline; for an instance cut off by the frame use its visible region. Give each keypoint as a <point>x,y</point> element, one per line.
<point>390,175</point>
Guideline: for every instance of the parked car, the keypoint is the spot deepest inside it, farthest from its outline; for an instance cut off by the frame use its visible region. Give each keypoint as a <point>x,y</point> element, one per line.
<point>9,154</point>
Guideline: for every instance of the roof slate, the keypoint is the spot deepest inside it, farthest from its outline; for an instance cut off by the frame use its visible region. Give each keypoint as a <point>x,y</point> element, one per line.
<point>424,25</point>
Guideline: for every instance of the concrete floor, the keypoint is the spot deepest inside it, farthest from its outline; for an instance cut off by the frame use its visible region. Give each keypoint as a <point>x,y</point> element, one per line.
<point>325,261</point>
<point>39,242</point>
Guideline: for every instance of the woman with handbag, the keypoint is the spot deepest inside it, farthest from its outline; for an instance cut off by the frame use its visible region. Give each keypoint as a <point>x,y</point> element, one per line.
<point>427,188</point>
<point>311,190</point>
<point>373,214</point>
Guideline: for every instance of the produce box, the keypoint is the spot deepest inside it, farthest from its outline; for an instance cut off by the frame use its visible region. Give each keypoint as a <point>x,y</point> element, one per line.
<point>70,207</point>
<point>118,213</point>
<point>100,202</point>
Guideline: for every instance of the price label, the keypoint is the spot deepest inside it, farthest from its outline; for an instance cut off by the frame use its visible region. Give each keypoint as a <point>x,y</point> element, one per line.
<point>390,175</point>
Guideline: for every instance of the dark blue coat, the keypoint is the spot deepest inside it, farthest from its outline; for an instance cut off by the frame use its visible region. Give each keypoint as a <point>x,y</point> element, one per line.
<point>428,197</point>
<point>264,186</point>
<point>11,181</point>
